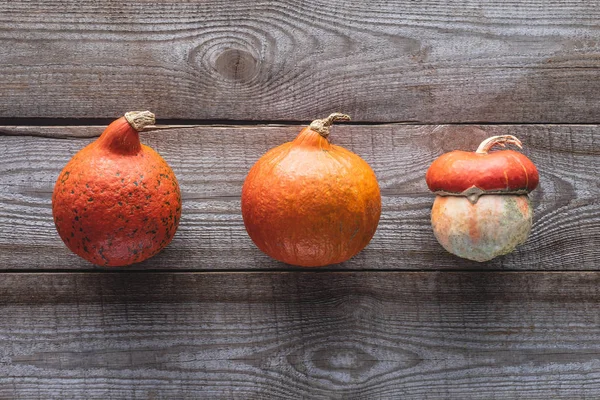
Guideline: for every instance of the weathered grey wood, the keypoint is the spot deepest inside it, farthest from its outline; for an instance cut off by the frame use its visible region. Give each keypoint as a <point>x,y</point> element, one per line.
<point>428,61</point>
<point>300,335</point>
<point>211,164</point>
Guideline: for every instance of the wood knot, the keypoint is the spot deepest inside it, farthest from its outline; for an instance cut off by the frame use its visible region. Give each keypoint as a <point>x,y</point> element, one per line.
<point>344,359</point>
<point>237,65</point>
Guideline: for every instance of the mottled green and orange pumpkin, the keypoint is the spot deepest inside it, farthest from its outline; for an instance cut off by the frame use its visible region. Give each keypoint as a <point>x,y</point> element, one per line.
<point>117,201</point>
<point>309,202</point>
<point>482,209</point>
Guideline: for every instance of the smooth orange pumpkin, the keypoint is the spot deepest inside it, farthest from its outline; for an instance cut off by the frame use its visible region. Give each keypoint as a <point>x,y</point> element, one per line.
<point>482,209</point>
<point>309,202</point>
<point>117,202</point>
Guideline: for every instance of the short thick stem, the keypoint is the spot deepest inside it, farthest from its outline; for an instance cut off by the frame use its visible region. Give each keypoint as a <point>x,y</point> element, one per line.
<point>140,119</point>
<point>122,135</point>
<point>488,143</point>
<point>322,125</point>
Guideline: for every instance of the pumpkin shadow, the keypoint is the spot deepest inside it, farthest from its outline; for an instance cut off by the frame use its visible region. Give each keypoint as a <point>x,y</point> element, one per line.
<point>122,287</point>
<point>483,308</point>
<point>329,308</point>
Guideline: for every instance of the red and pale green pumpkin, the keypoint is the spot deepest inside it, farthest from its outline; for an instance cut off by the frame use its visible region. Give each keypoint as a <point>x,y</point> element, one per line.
<point>482,209</point>
<point>311,203</point>
<point>117,201</point>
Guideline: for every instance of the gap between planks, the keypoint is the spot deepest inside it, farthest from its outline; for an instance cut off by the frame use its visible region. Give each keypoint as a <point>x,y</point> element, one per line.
<point>287,271</point>
<point>181,123</point>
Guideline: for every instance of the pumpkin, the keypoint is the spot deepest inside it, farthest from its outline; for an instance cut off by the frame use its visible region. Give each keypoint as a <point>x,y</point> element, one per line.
<point>311,203</point>
<point>482,209</point>
<point>117,202</point>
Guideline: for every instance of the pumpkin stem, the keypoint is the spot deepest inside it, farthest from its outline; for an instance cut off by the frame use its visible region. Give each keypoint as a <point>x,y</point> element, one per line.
<point>488,143</point>
<point>140,119</point>
<point>322,125</point>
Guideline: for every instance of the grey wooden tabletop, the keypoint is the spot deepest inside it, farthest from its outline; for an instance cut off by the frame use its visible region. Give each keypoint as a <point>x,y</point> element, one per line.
<point>211,317</point>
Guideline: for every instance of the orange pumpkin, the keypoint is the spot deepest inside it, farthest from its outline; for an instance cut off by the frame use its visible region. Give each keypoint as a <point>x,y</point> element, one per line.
<point>117,202</point>
<point>482,209</point>
<point>309,202</point>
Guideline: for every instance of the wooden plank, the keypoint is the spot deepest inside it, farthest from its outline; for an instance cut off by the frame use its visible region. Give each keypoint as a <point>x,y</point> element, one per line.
<point>211,164</point>
<point>300,335</point>
<point>400,60</point>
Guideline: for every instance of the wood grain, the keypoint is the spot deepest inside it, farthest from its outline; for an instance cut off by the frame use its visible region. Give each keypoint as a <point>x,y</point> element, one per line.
<point>211,164</point>
<point>300,335</point>
<point>399,60</point>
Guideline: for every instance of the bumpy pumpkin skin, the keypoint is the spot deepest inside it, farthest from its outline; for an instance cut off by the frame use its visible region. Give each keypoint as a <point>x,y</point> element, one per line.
<point>492,227</point>
<point>116,202</point>
<point>310,203</point>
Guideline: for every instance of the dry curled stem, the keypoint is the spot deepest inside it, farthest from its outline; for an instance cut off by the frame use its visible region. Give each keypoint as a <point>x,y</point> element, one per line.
<point>503,140</point>
<point>322,125</point>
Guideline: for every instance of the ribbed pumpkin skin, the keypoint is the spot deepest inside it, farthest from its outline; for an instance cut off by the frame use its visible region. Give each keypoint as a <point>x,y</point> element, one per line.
<point>116,202</point>
<point>494,226</point>
<point>310,203</point>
